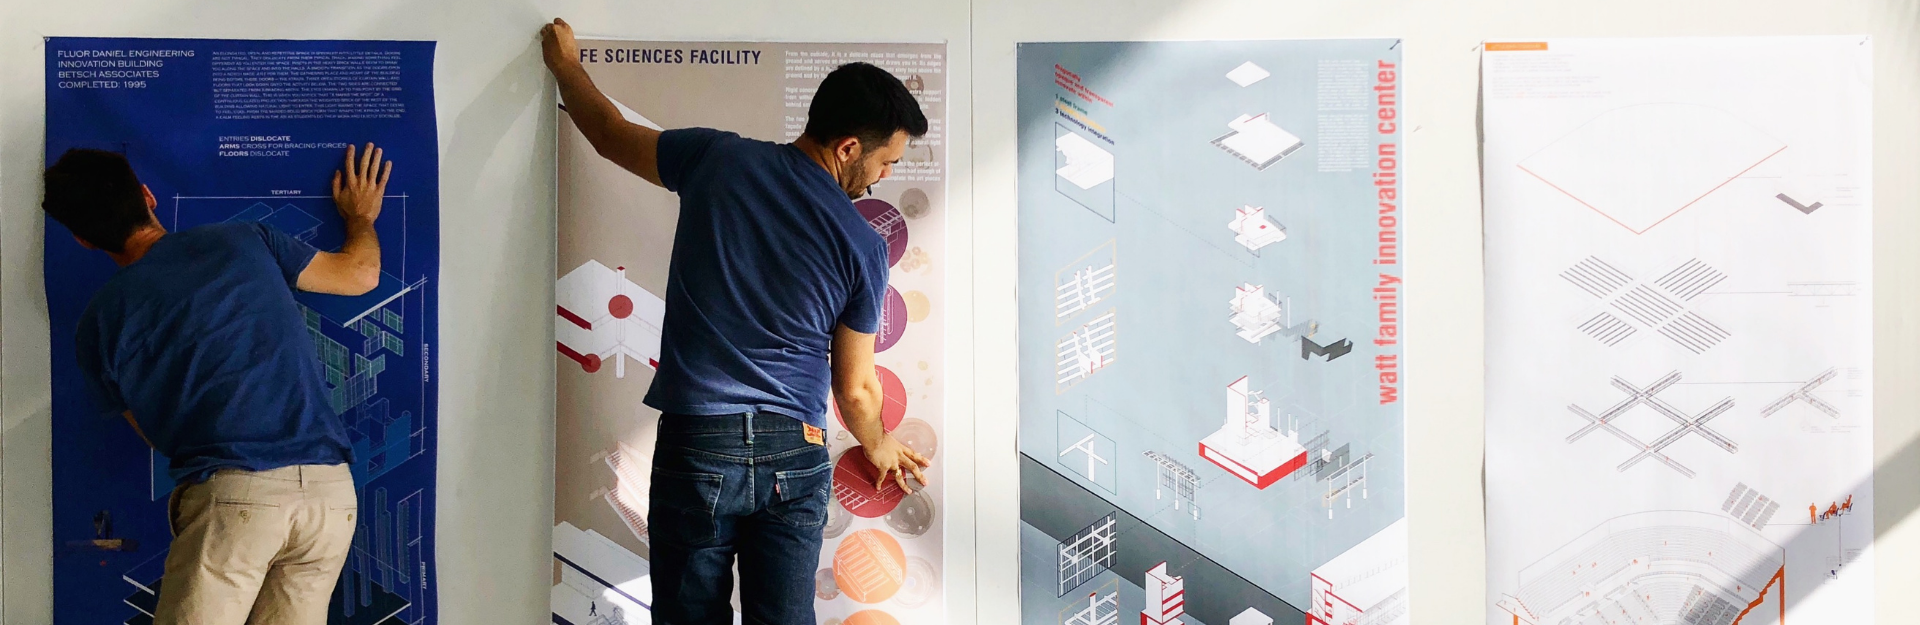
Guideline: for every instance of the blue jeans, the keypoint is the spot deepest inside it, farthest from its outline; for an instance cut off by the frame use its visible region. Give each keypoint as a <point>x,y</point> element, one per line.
<point>748,485</point>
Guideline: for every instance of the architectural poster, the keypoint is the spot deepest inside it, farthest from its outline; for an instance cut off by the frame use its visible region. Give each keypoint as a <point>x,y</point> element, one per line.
<point>1679,330</point>
<point>253,131</point>
<point>881,564</point>
<point>1211,423</point>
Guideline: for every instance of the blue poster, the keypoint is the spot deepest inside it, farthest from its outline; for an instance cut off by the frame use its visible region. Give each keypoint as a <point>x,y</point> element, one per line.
<point>222,131</point>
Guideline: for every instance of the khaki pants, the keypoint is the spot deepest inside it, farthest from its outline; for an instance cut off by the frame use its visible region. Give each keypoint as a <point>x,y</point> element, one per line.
<point>258,548</point>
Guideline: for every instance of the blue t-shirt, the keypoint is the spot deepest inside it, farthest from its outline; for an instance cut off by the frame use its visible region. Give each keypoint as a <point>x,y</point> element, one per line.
<point>769,258</point>
<point>202,340</point>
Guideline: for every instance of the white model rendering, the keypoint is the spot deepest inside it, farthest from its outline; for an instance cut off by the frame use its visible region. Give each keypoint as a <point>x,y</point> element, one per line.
<point>1087,165</point>
<point>1255,313</point>
<point>1253,229</point>
<point>1248,446</point>
<point>1256,140</point>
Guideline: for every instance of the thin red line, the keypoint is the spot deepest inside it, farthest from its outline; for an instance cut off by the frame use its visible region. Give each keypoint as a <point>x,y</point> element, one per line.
<point>1743,172</point>
<point>1676,211</point>
<point>1576,198</point>
<point>569,316</point>
<point>568,351</point>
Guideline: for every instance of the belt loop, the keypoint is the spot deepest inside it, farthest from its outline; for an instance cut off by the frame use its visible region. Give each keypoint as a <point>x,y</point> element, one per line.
<point>749,416</point>
<point>303,476</point>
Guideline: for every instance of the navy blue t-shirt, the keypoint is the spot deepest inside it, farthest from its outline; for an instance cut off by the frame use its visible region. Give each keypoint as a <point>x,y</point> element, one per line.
<point>769,258</point>
<point>202,340</point>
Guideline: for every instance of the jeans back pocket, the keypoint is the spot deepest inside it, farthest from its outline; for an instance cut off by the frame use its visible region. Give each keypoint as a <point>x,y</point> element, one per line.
<point>681,507</point>
<point>800,496</point>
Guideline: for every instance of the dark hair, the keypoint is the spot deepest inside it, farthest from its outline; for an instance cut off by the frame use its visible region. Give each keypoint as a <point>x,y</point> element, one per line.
<point>864,102</point>
<point>95,194</point>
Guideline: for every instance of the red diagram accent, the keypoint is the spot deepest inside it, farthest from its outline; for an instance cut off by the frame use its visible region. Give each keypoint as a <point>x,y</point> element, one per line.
<point>620,306</point>
<point>588,362</point>
<point>1676,211</point>
<point>853,478</point>
<point>576,319</point>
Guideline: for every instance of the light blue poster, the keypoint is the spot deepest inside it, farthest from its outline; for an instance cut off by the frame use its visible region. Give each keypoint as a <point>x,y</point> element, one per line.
<point>1211,425</point>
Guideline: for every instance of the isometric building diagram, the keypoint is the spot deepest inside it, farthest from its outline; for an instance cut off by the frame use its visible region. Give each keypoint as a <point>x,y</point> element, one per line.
<point>1166,597</point>
<point>600,316</point>
<point>1253,229</point>
<point>1248,445</point>
<point>1256,140</point>
<point>1210,472</point>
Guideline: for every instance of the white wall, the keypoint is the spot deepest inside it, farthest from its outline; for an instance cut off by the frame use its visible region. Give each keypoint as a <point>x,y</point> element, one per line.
<point>498,196</point>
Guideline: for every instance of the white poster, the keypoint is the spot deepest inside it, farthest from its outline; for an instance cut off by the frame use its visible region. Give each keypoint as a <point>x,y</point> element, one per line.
<point>1679,330</point>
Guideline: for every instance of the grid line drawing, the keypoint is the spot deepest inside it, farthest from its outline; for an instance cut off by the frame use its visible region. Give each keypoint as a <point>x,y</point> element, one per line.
<point>1691,279</point>
<point>1596,276</point>
<point>1649,397</point>
<point>1662,305</point>
<point>1608,329</point>
<point>1805,394</point>
<point>1087,553</point>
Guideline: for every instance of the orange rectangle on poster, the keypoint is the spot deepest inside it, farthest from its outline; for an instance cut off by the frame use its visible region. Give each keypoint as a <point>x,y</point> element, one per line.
<point>1515,46</point>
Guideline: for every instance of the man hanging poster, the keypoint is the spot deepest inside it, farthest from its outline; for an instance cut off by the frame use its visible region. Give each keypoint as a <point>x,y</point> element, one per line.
<point>881,559</point>
<point>1679,330</point>
<point>1211,427</point>
<point>233,136</point>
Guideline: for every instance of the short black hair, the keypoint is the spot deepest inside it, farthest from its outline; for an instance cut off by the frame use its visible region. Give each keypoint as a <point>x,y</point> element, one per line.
<point>864,102</point>
<point>95,194</point>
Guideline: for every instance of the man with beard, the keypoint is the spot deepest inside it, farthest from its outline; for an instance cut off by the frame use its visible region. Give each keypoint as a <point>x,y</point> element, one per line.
<point>773,297</point>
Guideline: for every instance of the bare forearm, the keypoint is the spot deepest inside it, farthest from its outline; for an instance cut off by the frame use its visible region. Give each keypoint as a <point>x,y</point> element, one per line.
<point>362,249</point>
<point>591,111</point>
<point>860,407</point>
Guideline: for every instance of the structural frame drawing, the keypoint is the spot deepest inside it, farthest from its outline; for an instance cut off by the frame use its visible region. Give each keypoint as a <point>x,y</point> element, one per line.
<point>1173,478</point>
<point>1087,282</point>
<point>1649,397</point>
<point>1087,350</point>
<point>1088,553</point>
<point>1102,607</point>
<point>1805,394</point>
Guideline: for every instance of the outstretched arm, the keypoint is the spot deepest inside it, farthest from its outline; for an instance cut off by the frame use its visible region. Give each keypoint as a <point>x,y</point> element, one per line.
<point>631,146</point>
<point>856,387</point>
<point>357,192</point>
